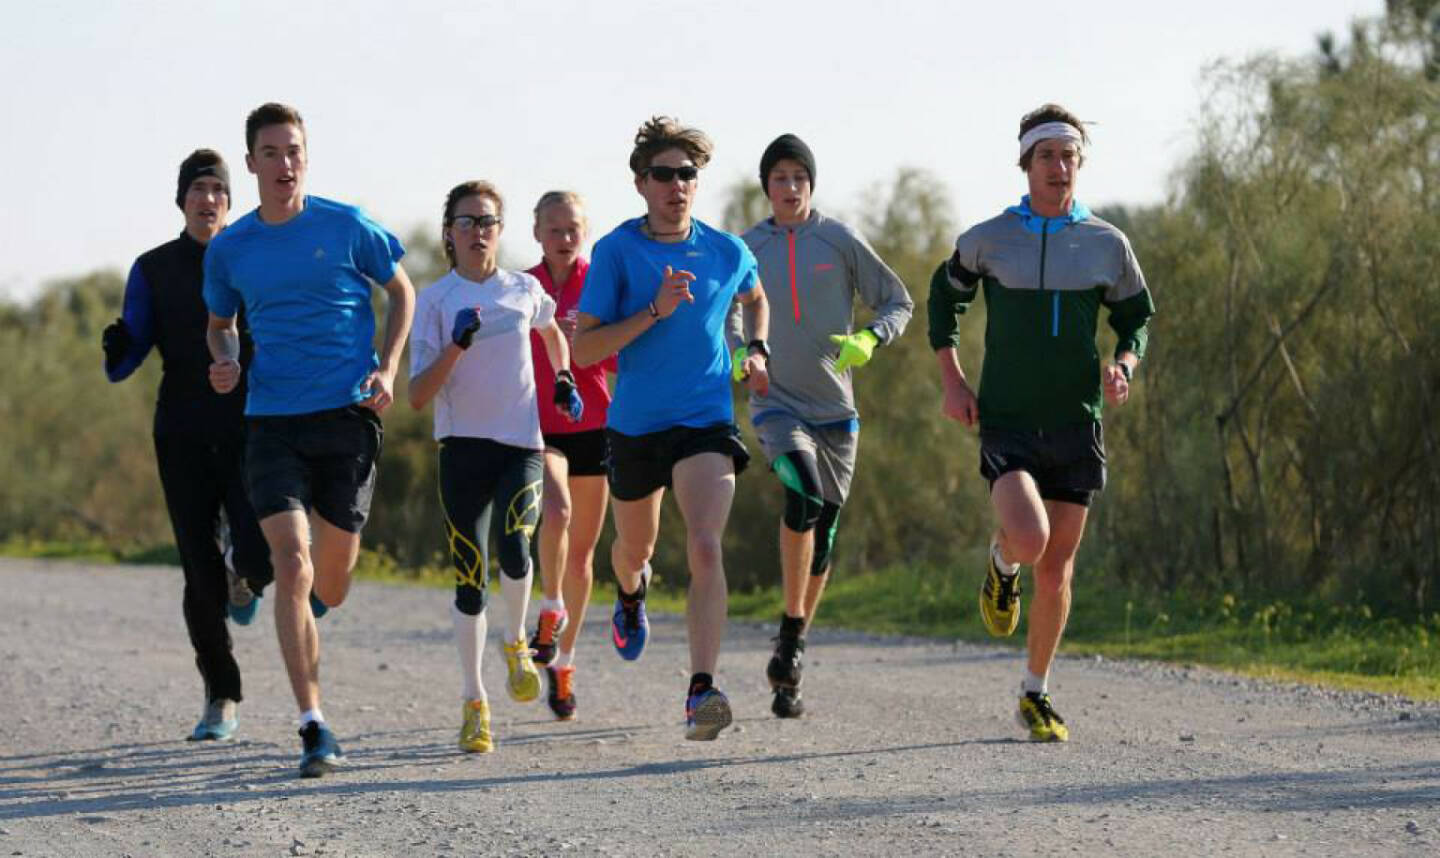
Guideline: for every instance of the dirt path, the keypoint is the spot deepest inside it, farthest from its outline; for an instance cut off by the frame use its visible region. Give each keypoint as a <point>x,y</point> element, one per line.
<point>910,748</point>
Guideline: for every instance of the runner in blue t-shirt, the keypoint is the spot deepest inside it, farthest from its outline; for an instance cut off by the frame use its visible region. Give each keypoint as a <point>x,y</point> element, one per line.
<point>302,268</point>
<point>658,290</point>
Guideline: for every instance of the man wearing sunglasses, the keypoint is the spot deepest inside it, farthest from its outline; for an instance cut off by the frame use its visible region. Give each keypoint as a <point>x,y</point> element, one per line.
<point>658,292</point>
<point>199,436</point>
<point>302,268</point>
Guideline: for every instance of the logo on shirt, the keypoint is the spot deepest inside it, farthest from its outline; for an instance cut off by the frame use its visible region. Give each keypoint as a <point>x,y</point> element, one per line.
<point>824,266</point>
<point>319,253</point>
<point>691,254</point>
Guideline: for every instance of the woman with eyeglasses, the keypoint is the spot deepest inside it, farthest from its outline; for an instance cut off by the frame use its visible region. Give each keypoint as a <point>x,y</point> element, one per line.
<point>470,352</point>
<point>575,496</point>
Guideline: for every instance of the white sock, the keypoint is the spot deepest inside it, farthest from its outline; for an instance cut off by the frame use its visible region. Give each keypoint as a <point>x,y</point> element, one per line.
<point>470,642</point>
<point>1000,564</point>
<point>515,593</point>
<point>311,715</point>
<point>552,604</point>
<point>1036,684</point>
<point>563,659</point>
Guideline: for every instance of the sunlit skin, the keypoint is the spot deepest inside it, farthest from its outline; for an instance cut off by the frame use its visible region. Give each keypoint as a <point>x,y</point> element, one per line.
<point>1031,531</point>
<point>278,162</point>
<point>1054,167</point>
<point>206,207</point>
<point>477,250</point>
<point>561,230</point>
<point>704,483</point>
<point>574,506</point>
<point>668,204</point>
<point>788,187</point>
<point>312,557</point>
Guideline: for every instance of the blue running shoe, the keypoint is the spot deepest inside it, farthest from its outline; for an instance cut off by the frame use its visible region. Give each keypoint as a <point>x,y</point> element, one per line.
<point>217,724</point>
<point>629,627</point>
<point>321,754</point>
<point>317,607</point>
<point>244,602</point>
<point>706,714</point>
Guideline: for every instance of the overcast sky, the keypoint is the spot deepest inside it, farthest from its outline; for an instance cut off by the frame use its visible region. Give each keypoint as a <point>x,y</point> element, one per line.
<point>403,100</point>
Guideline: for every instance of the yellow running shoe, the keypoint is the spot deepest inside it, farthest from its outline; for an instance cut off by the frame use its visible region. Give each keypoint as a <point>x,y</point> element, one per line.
<point>523,681</point>
<point>1040,718</point>
<point>999,598</point>
<point>475,735</point>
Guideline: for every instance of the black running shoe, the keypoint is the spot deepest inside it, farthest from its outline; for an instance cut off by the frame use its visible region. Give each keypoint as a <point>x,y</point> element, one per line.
<point>787,703</point>
<point>562,691</point>
<point>320,752</point>
<point>785,665</point>
<point>547,636</point>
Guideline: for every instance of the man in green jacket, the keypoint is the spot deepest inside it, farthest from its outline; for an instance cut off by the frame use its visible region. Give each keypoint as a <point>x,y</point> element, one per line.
<point>1046,266</point>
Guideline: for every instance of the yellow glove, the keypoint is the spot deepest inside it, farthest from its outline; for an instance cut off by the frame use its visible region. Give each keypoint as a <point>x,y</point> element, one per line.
<point>855,350</point>
<point>737,363</point>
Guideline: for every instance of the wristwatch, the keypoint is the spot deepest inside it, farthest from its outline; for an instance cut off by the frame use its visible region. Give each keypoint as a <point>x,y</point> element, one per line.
<point>1125,370</point>
<point>758,347</point>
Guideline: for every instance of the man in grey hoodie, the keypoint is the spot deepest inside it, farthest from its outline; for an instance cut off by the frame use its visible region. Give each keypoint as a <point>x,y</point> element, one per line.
<point>807,422</point>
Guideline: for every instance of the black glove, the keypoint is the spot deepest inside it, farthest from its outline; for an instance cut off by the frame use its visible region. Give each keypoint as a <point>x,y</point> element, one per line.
<point>116,341</point>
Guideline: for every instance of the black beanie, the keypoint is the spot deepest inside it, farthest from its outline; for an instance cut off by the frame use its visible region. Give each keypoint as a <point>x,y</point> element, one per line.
<point>201,162</point>
<point>786,146</point>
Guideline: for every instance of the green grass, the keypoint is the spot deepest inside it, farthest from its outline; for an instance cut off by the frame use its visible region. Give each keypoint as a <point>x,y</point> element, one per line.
<point>1338,644</point>
<point>89,551</point>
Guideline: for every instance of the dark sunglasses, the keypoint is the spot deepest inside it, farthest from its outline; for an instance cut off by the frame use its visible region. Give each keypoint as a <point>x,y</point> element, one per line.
<point>473,222</point>
<point>686,173</point>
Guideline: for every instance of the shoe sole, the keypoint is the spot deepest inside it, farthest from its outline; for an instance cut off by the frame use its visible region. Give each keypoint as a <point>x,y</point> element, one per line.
<point>246,615</point>
<point>524,697</point>
<point>779,712</point>
<point>319,768</point>
<point>211,736</point>
<point>1030,732</point>
<point>711,717</point>
<point>624,651</point>
<point>992,626</point>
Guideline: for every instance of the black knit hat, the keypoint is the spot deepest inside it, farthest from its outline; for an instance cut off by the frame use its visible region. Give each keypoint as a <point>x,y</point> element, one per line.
<point>201,162</point>
<point>786,146</point>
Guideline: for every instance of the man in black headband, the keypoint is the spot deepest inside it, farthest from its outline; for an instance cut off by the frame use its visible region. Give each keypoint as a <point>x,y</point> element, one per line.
<point>199,436</point>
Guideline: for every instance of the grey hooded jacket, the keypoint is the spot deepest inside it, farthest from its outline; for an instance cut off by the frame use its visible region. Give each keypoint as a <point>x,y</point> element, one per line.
<point>812,273</point>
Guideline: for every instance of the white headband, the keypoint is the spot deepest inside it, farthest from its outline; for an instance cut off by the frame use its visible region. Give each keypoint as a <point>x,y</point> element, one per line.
<point>1049,131</point>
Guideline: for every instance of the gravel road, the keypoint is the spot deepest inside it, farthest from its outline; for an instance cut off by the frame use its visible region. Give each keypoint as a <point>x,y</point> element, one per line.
<point>910,748</point>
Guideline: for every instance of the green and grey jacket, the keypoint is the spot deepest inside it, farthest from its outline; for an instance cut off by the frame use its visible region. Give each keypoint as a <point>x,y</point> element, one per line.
<point>812,274</point>
<point>1044,280</point>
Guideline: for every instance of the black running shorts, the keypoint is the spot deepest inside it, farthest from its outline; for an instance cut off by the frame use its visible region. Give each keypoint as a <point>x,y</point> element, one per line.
<point>1068,463</point>
<point>640,464</point>
<point>584,451</point>
<point>324,461</point>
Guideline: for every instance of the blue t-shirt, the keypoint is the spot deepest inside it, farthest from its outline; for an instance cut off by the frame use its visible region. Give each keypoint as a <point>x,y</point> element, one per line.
<point>677,373</point>
<point>304,288</point>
